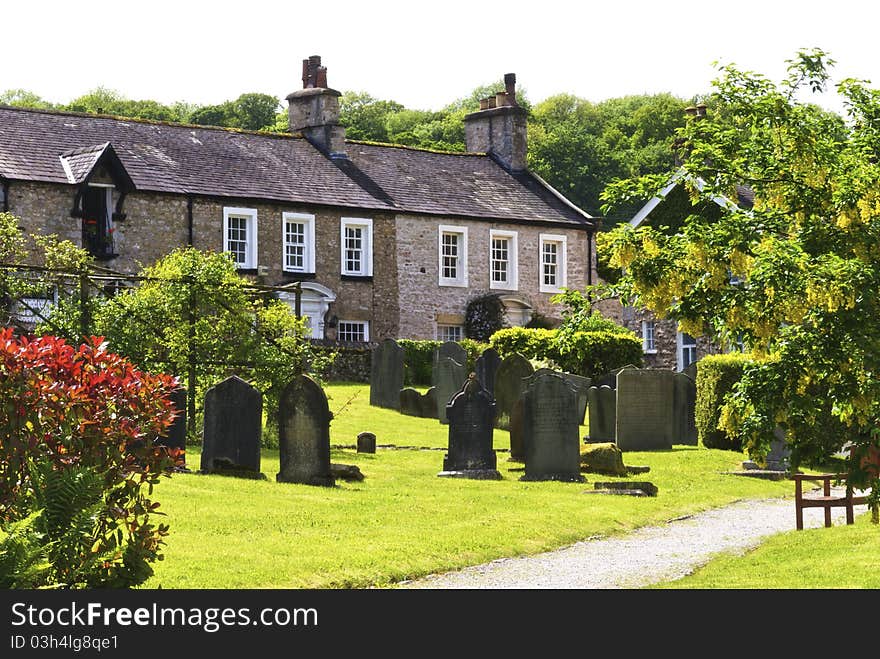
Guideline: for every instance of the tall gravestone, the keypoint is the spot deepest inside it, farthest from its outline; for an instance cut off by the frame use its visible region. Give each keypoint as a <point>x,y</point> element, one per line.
<point>175,437</point>
<point>644,409</point>
<point>610,378</point>
<point>582,387</point>
<point>304,434</point>
<point>486,367</point>
<point>386,375</point>
<point>603,414</point>
<point>509,386</point>
<point>232,428</point>
<point>684,404</point>
<point>471,415</point>
<point>452,350</point>
<point>449,375</point>
<point>550,428</point>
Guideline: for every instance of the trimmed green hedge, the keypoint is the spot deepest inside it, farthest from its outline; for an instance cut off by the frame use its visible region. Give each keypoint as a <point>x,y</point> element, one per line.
<point>418,358</point>
<point>716,375</point>
<point>590,354</point>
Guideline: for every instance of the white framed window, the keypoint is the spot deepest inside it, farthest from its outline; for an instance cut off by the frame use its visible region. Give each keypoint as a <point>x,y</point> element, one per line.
<point>687,350</point>
<point>554,263</point>
<point>356,243</point>
<point>503,260</point>
<point>240,236</point>
<point>452,254</point>
<point>298,238</point>
<point>353,330</point>
<point>450,332</point>
<point>648,345</point>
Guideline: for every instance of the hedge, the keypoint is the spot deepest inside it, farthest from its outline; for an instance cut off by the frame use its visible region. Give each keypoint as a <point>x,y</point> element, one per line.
<point>716,375</point>
<point>418,358</point>
<point>590,354</point>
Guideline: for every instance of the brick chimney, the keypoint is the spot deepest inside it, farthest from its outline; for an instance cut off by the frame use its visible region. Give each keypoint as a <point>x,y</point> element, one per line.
<point>314,110</point>
<point>499,127</point>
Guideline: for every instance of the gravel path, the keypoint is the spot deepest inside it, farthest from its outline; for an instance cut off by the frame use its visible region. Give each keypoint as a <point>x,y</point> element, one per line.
<point>643,557</point>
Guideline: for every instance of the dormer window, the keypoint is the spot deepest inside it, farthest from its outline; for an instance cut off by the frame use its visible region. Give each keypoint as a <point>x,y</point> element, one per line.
<point>97,220</point>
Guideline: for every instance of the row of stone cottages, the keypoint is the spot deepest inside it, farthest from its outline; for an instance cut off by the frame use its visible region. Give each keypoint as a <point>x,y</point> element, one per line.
<point>385,241</point>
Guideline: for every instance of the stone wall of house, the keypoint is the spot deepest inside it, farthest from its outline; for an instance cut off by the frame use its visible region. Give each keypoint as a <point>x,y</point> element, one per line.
<point>425,303</point>
<point>44,208</point>
<point>665,338</point>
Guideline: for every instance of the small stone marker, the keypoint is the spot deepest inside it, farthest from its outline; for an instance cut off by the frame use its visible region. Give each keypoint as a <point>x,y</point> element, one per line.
<point>366,442</point>
<point>232,428</point>
<point>603,413</point>
<point>386,375</point>
<point>603,458</point>
<point>633,488</point>
<point>552,444</point>
<point>304,434</point>
<point>509,386</point>
<point>471,415</point>
<point>644,409</point>
<point>486,368</point>
<point>449,375</point>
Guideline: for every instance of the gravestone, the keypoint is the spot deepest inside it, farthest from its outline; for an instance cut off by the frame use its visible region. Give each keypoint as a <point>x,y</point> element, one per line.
<point>509,386</point>
<point>644,409</point>
<point>684,405</point>
<point>486,367</point>
<point>386,375</point>
<point>471,415</point>
<point>232,427</point>
<point>304,434</point>
<point>550,429</point>
<point>175,436</point>
<point>366,442</point>
<point>516,430</point>
<point>452,350</point>
<point>779,457</point>
<point>582,387</point>
<point>410,402</point>
<point>610,378</point>
<point>603,413</point>
<point>449,375</point>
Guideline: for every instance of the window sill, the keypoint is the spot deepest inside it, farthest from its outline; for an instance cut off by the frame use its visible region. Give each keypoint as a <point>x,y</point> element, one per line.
<point>650,352</point>
<point>246,271</point>
<point>454,284</point>
<point>551,289</point>
<point>345,277</point>
<point>503,287</point>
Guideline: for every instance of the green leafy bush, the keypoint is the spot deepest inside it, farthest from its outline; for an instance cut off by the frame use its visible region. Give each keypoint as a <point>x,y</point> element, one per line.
<point>716,376</point>
<point>592,354</point>
<point>531,343</point>
<point>483,317</point>
<point>418,358</point>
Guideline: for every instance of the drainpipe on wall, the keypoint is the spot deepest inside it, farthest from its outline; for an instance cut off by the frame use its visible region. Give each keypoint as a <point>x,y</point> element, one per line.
<point>189,220</point>
<point>5,196</point>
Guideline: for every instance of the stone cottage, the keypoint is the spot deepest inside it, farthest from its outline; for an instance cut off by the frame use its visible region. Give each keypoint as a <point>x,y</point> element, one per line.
<point>385,241</point>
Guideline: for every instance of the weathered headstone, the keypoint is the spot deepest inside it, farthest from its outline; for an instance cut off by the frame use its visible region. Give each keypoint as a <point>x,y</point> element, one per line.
<point>304,434</point>
<point>471,415</point>
<point>610,378</point>
<point>428,403</point>
<point>410,402</point>
<point>232,428</point>
<point>449,375</point>
<point>779,457</point>
<point>366,442</point>
<point>644,409</point>
<point>516,430</point>
<point>684,405</point>
<point>603,413</point>
<point>550,424</point>
<point>582,387</point>
<point>386,375</point>
<point>486,367</point>
<point>452,350</point>
<point>175,436</point>
<point>509,386</point>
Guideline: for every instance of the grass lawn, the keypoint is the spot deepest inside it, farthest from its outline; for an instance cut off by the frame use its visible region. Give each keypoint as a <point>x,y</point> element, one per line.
<point>402,521</point>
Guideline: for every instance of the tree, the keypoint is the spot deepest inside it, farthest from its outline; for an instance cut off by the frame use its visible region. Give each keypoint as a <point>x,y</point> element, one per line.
<point>796,277</point>
<point>365,117</point>
<point>102,100</point>
<point>24,99</point>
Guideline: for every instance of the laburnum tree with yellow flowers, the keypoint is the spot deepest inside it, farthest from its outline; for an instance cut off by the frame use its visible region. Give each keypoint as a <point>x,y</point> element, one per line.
<point>795,277</point>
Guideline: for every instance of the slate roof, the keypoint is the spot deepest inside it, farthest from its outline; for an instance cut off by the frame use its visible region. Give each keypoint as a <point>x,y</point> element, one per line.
<point>176,158</point>
<point>79,163</point>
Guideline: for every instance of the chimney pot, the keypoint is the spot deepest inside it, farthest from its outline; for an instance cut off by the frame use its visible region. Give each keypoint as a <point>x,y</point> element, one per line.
<point>484,103</point>
<point>321,78</point>
<point>510,86</point>
<point>491,101</point>
<point>501,99</point>
<point>701,109</point>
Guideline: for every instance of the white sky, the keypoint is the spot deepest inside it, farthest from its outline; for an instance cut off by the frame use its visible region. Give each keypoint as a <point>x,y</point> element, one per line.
<point>421,54</point>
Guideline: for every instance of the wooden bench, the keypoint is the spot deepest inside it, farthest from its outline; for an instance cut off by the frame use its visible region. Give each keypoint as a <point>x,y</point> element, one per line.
<point>826,500</point>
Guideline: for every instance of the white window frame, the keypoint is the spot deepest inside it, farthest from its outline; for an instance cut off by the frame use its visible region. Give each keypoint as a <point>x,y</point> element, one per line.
<point>308,222</point>
<point>561,264</point>
<point>365,223</point>
<point>250,214</point>
<point>512,282</point>
<point>461,278</point>
<point>649,338</point>
<point>459,331</point>
<point>364,323</point>
<point>680,349</point>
